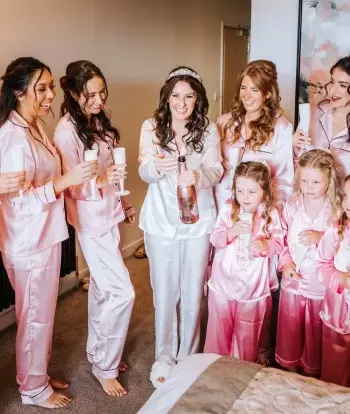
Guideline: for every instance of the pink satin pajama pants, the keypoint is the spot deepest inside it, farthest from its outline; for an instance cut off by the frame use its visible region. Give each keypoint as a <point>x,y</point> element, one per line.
<point>335,357</point>
<point>299,333</point>
<point>234,327</point>
<point>35,281</point>
<point>110,302</point>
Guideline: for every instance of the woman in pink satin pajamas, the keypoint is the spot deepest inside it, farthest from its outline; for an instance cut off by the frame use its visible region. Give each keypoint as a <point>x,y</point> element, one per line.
<point>33,226</point>
<point>330,121</point>
<point>314,207</point>
<point>239,287</point>
<point>85,125</point>
<point>333,265</point>
<point>255,130</point>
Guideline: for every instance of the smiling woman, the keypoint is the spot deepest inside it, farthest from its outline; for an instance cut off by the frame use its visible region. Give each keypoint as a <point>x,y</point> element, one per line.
<point>330,122</point>
<point>256,128</point>
<point>34,225</point>
<point>85,125</point>
<point>178,253</point>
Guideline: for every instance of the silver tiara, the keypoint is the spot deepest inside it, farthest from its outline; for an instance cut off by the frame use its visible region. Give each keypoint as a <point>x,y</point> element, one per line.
<point>184,71</point>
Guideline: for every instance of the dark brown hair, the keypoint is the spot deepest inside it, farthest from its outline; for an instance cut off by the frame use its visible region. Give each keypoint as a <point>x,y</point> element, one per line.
<point>97,126</point>
<point>18,76</point>
<point>198,121</point>
<point>343,64</point>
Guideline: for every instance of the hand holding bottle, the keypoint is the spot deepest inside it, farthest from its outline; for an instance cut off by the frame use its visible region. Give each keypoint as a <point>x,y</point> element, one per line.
<point>165,165</point>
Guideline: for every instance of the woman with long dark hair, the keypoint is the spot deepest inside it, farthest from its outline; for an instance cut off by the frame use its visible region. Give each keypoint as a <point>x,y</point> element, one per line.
<point>33,225</point>
<point>178,252</point>
<point>85,124</point>
<point>330,122</point>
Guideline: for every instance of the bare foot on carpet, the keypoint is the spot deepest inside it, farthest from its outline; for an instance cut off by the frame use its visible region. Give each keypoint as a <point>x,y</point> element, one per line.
<point>56,400</point>
<point>58,384</point>
<point>112,386</point>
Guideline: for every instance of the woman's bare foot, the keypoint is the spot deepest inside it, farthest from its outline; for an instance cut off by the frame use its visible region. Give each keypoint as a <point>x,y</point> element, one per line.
<point>112,386</point>
<point>56,400</point>
<point>58,384</point>
<point>122,367</point>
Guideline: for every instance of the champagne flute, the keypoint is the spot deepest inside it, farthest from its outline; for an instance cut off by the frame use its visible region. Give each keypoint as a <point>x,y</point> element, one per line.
<point>120,158</point>
<point>18,164</point>
<point>91,155</point>
<point>245,238</point>
<point>304,124</point>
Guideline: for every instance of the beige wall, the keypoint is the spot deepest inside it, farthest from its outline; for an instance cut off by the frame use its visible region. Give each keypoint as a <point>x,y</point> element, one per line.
<point>135,43</point>
<point>274,36</point>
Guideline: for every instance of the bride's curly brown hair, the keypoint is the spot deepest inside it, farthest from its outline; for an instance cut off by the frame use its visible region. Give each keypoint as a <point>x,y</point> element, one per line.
<point>263,74</point>
<point>259,172</point>
<point>197,122</point>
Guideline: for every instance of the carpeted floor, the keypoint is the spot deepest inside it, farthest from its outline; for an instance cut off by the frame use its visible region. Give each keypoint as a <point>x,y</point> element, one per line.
<point>69,361</point>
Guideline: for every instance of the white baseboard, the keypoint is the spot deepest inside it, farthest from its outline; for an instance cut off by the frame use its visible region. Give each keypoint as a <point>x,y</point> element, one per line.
<point>129,249</point>
<point>8,316</point>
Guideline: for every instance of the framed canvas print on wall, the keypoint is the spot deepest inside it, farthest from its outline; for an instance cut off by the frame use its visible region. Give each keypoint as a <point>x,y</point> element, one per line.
<point>323,38</point>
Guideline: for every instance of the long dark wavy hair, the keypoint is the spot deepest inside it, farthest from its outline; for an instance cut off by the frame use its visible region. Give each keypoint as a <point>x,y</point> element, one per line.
<point>343,64</point>
<point>263,74</point>
<point>198,121</point>
<point>258,172</point>
<point>18,76</point>
<point>97,126</point>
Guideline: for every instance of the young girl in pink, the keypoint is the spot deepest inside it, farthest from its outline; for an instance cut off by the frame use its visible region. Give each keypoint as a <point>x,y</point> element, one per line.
<point>315,205</point>
<point>333,265</point>
<point>239,286</point>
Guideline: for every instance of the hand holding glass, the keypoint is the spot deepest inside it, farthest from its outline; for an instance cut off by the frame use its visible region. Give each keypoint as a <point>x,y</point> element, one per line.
<point>18,164</point>
<point>120,158</point>
<point>91,155</point>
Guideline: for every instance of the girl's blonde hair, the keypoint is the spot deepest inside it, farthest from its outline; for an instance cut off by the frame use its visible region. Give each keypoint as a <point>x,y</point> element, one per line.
<point>258,172</point>
<point>343,218</point>
<point>323,161</point>
<point>263,74</point>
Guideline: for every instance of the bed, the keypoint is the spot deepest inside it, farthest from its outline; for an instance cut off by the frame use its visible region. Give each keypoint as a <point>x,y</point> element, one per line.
<point>209,383</point>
